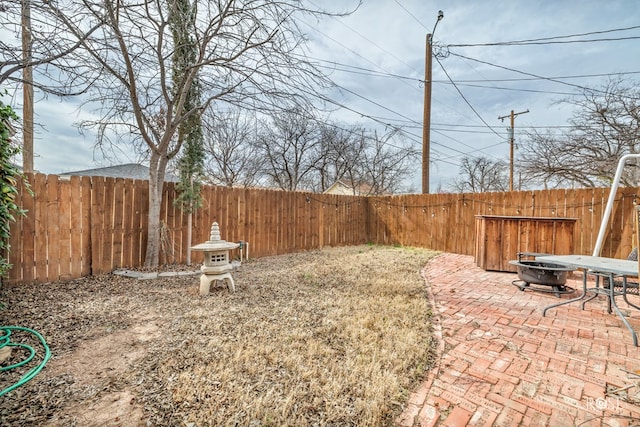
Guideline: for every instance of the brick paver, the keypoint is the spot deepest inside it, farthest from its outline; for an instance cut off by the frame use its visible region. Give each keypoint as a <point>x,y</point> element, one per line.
<point>502,364</point>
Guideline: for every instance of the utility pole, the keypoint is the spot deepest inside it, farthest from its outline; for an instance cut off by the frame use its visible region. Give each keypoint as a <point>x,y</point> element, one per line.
<point>426,126</point>
<point>511,142</point>
<point>27,90</point>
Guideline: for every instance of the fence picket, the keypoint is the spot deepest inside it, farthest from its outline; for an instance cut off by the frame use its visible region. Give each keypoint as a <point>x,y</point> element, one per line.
<point>66,205</point>
<point>52,228</point>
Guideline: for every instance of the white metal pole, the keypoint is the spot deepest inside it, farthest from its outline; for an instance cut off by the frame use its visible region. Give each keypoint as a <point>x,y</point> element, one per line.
<point>612,196</point>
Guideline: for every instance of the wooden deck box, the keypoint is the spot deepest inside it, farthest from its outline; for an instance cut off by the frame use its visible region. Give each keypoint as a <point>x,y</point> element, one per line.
<point>499,239</point>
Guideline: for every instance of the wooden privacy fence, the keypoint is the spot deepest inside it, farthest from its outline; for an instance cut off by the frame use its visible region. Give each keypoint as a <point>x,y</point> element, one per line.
<point>90,225</point>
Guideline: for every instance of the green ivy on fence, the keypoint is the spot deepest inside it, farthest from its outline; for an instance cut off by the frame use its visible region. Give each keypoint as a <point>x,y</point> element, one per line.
<point>9,174</point>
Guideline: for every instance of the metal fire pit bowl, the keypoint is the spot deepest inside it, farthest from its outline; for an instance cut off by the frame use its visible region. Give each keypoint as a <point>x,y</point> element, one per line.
<point>551,277</point>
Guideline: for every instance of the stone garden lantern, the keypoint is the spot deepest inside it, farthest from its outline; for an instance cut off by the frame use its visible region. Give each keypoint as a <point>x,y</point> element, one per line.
<point>216,260</point>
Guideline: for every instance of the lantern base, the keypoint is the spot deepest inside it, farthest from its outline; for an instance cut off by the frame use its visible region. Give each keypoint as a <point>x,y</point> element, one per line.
<point>207,279</point>
<point>216,269</point>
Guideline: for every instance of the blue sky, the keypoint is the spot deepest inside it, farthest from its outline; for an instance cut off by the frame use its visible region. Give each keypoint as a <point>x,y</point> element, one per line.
<point>376,57</point>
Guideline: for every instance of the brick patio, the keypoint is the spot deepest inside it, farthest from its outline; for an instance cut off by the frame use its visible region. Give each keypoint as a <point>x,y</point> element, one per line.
<point>502,364</point>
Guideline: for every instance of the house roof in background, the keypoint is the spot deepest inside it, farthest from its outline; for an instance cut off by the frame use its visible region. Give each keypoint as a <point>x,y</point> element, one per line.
<point>344,189</point>
<point>128,170</point>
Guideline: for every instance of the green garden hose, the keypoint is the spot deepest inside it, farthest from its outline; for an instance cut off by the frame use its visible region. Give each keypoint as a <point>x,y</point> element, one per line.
<point>5,335</point>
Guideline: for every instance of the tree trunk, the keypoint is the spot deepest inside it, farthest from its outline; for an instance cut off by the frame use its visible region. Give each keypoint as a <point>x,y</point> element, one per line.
<point>152,257</point>
<point>156,182</point>
<point>189,236</point>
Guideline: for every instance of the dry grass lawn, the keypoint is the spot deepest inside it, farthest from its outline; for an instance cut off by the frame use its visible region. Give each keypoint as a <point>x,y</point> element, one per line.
<point>335,337</point>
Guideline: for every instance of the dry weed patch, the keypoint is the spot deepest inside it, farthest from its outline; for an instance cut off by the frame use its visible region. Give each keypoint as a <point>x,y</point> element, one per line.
<point>333,337</point>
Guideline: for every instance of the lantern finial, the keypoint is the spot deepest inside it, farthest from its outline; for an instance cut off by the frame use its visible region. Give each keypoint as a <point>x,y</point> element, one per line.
<point>215,232</point>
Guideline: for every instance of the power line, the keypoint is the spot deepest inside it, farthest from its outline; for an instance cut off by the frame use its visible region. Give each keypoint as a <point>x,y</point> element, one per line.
<point>341,105</point>
<point>374,103</point>
<point>353,132</point>
<point>465,99</point>
<point>374,73</point>
<point>462,130</point>
<point>411,136</point>
<point>375,44</point>
<point>409,120</point>
<point>412,15</point>
<point>473,149</point>
<point>579,76</point>
<point>516,89</point>
<point>402,125</point>
<point>522,127</point>
<point>554,39</point>
<point>545,43</point>
<point>364,37</point>
<point>584,88</point>
<point>387,121</point>
<point>349,49</point>
<point>410,123</point>
<point>363,70</point>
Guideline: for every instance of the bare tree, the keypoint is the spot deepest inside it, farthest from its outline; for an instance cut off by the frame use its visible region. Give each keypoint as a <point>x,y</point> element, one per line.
<point>53,50</point>
<point>480,175</point>
<point>548,159</point>
<point>385,163</point>
<point>364,161</point>
<point>294,150</point>
<point>290,146</point>
<point>231,158</point>
<point>37,50</point>
<point>605,126</point>
<point>342,153</point>
<point>246,54</point>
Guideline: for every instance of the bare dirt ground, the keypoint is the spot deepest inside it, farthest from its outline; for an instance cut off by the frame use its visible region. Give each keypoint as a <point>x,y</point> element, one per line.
<point>336,337</point>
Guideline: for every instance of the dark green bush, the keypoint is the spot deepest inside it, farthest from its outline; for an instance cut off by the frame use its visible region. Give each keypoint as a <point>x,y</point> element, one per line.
<point>9,175</point>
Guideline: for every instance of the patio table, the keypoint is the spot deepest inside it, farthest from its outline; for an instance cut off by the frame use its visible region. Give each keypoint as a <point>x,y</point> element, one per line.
<point>599,266</point>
